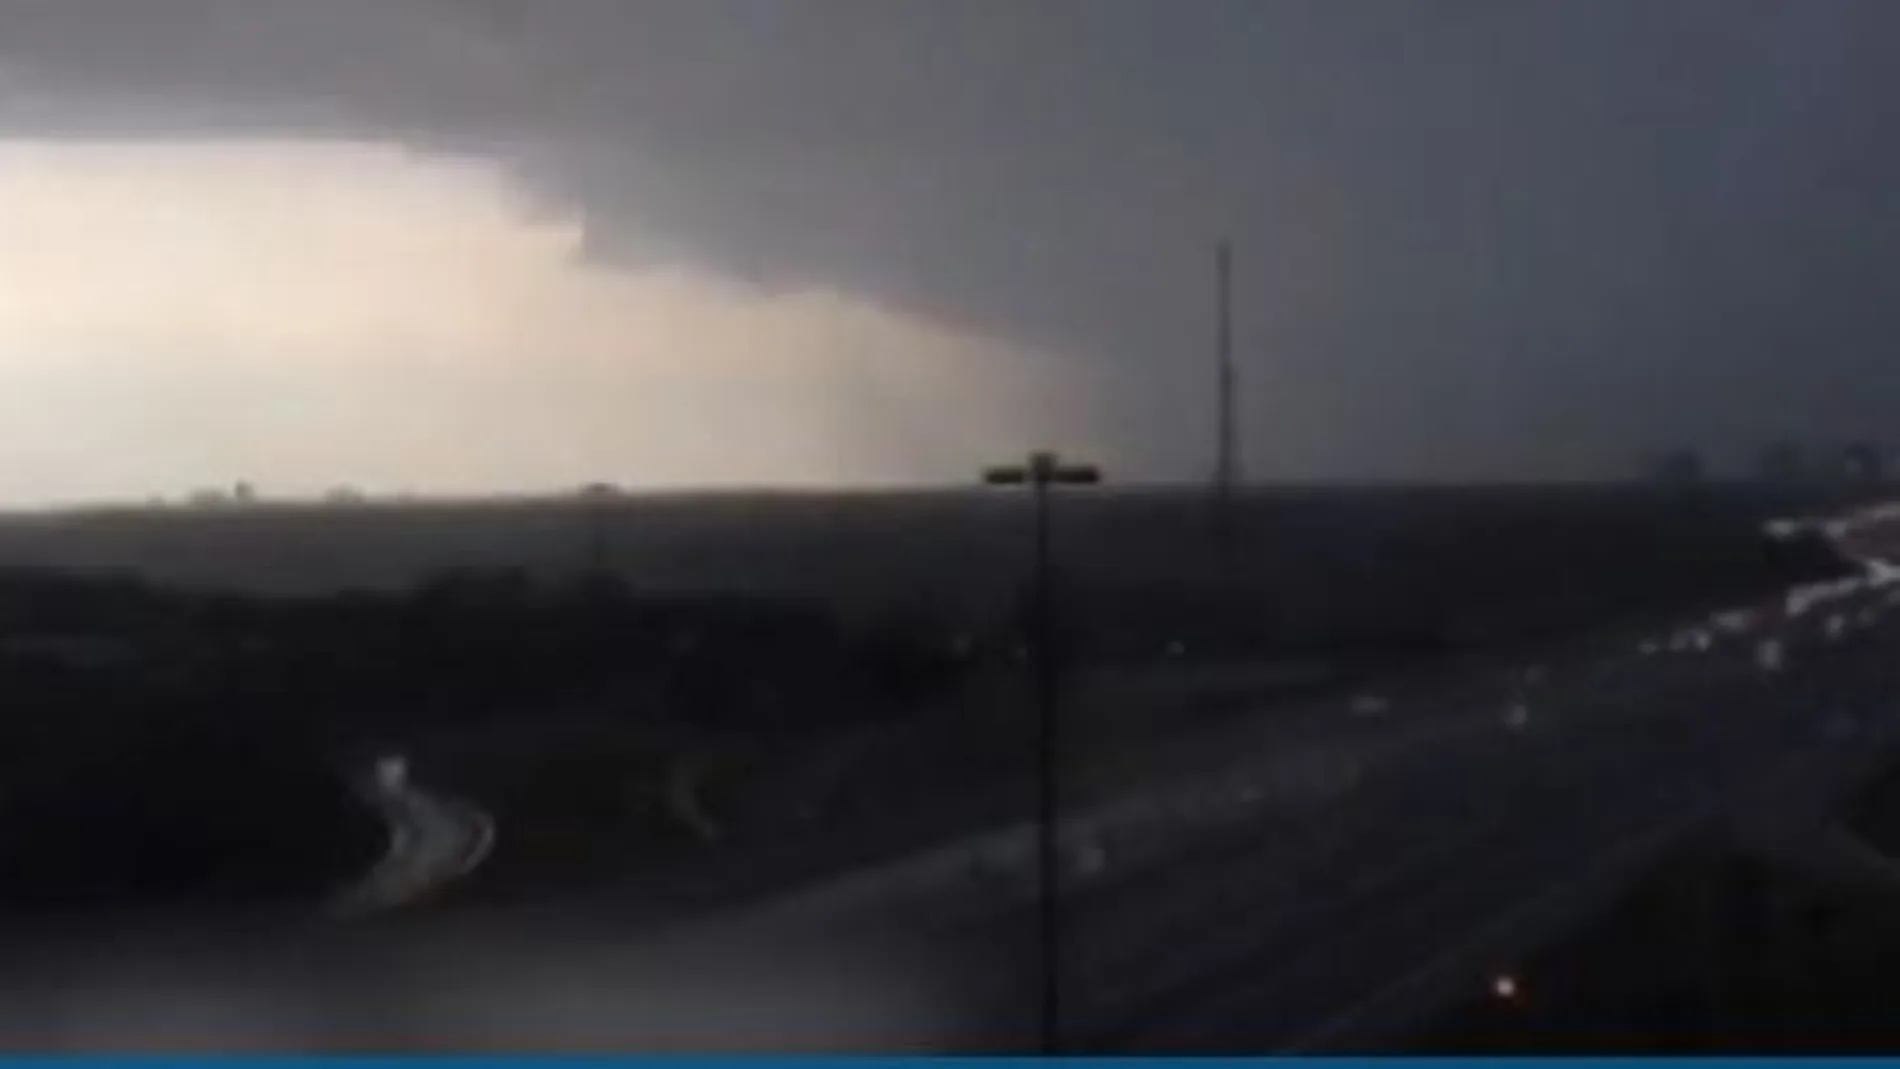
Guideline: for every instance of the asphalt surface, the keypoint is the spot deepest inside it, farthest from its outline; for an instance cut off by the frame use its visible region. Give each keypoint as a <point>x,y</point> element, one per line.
<point>1345,870</point>
<point>433,842</point>
<point>1394,855</point>
<point>1348,870</point>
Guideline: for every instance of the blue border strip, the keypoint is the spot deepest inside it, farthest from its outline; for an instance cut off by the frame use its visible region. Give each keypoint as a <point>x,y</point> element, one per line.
<point>858,1062</point>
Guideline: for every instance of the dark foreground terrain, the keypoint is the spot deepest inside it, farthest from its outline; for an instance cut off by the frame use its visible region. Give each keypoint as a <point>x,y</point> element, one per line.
<point>1353,708</point>
<point>1713,952</point>
<point>181,815</point>
<point>758,688</point>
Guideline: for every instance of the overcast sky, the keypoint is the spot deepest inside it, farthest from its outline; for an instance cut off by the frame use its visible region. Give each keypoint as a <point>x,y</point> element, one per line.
<point>459,245</point>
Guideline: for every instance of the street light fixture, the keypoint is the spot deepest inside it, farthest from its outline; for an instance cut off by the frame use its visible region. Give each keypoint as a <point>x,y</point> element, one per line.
<point>1043,471</point>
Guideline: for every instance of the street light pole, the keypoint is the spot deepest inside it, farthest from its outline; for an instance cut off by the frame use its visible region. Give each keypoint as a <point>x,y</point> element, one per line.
<point>1043,471</point>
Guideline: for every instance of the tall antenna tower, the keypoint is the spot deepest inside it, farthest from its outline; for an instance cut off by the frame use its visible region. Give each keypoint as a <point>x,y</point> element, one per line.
<point>1227,445</point>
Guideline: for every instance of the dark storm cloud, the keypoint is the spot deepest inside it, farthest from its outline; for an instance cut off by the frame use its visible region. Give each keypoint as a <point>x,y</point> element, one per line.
<point>1475,237</point>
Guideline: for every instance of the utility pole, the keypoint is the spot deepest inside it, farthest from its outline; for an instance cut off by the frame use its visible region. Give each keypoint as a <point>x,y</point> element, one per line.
<point>1227,442</point>
<point>1044,471</point>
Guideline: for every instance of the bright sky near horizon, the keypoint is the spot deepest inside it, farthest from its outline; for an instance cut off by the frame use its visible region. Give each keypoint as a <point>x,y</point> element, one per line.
<point>308,313</point>
<point>458,246</point>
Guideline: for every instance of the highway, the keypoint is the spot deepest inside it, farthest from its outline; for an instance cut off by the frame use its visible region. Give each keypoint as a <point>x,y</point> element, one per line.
<point>1379,862</point>
<point>1498,818</point>
<point>1329,876</point>
<point>1339,874</point>
<point>433,841</point>
<point>1290,934</point>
